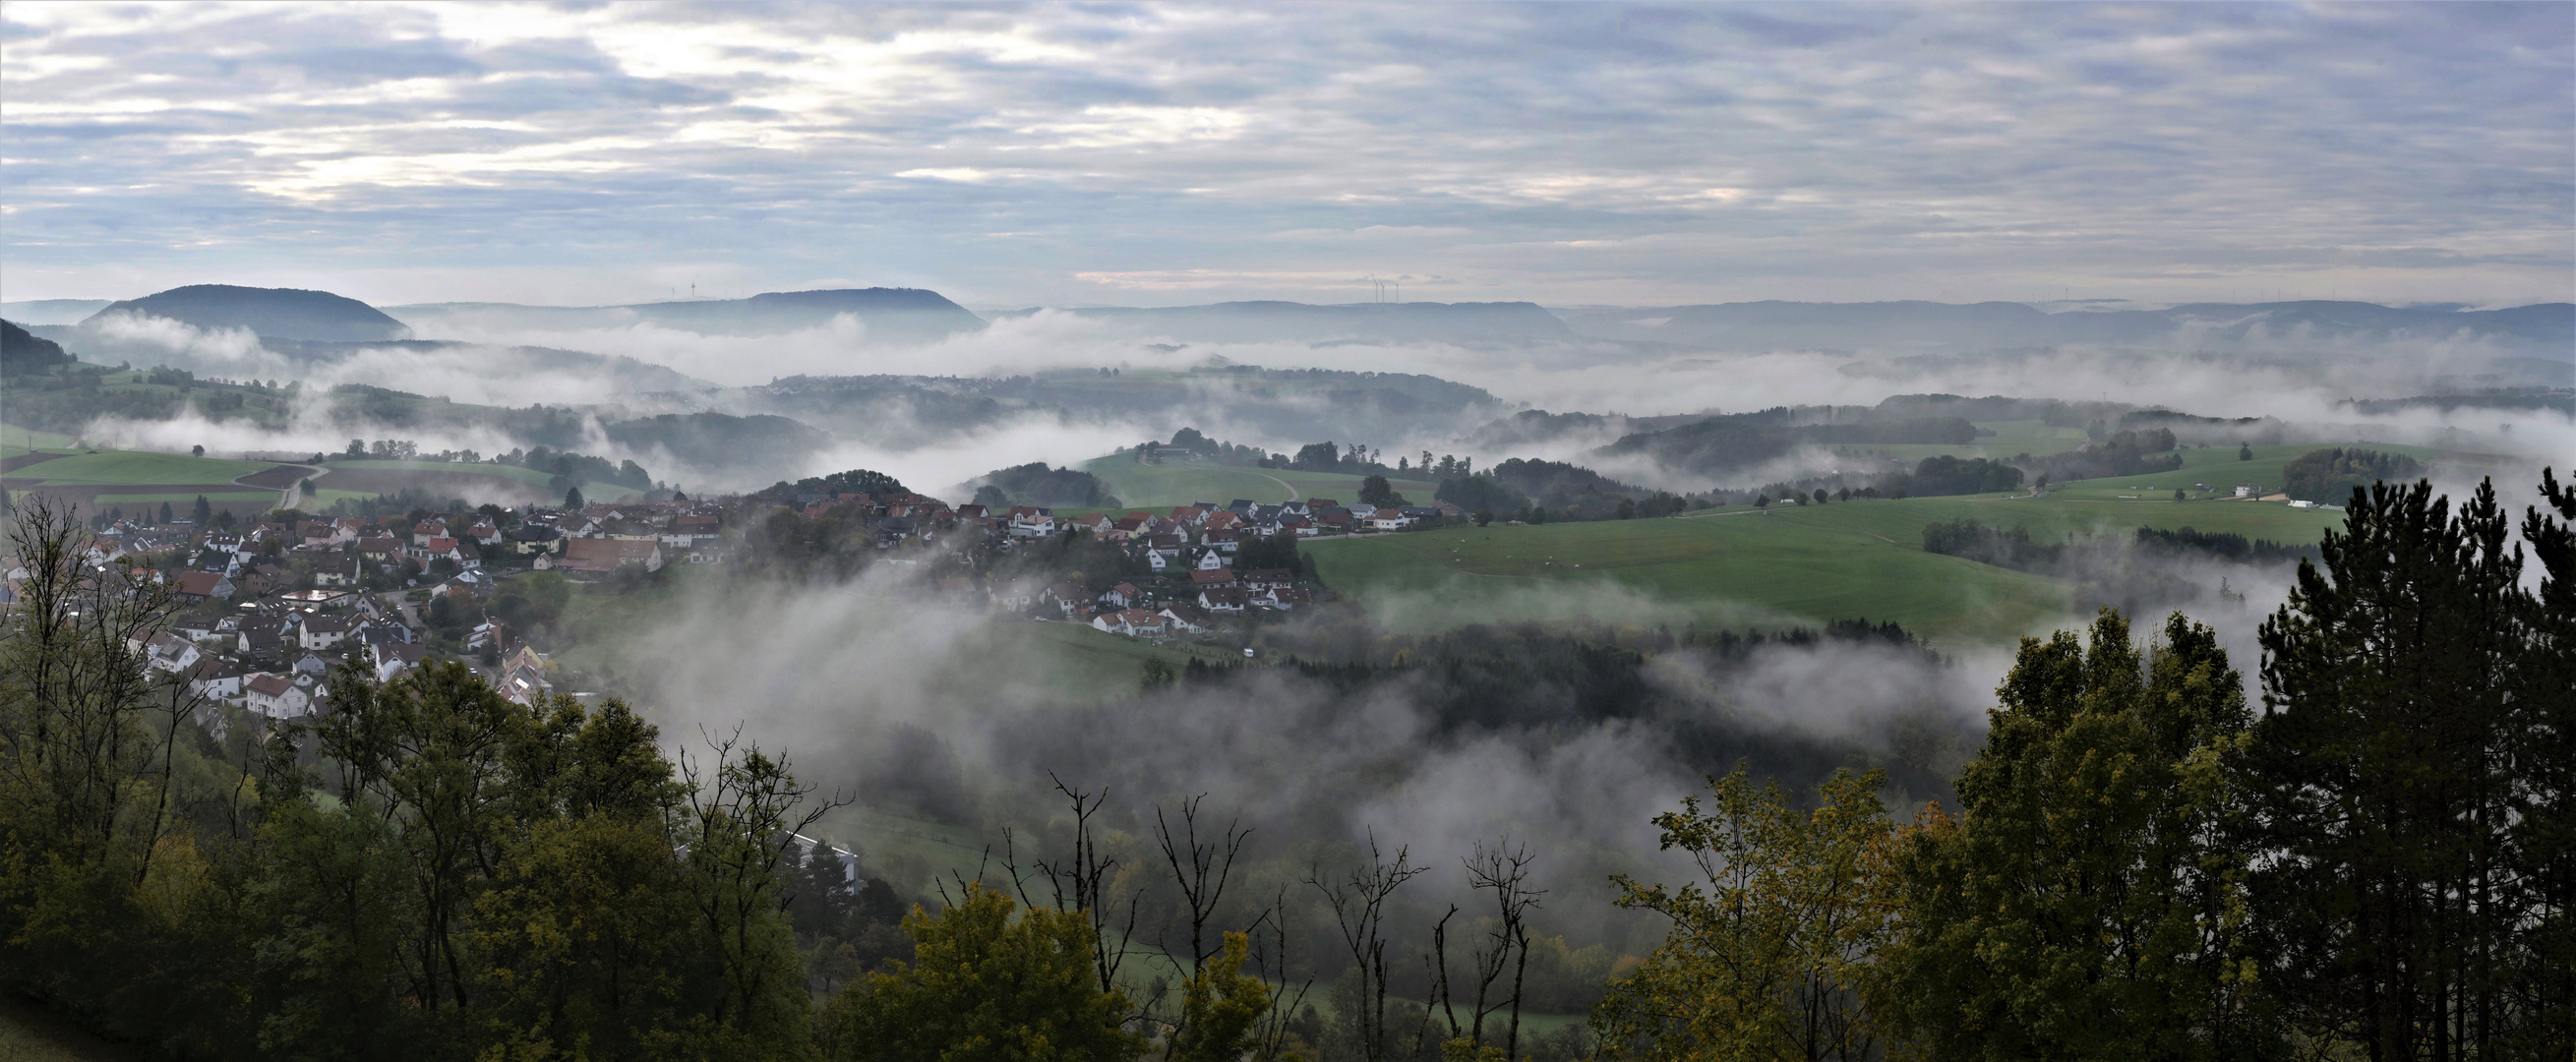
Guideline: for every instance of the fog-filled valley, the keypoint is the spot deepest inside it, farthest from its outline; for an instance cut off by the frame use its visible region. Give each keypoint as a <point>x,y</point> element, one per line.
<point>1260,533</point>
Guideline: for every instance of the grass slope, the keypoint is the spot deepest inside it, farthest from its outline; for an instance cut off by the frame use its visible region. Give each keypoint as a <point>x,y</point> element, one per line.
<point>1854,560</point>
<point>116,467</point>
<point>523,475</point>
<point>15,440</point>
<point>2219,467</point>
<point>2011,438</point>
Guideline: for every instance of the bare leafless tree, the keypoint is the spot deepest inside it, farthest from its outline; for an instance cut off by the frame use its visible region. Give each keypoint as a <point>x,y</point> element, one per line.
<point>1359,900</point>
<point>1270,963</point>
<point>1080,882</point>
<point>1201,870</point>
<point>1504,871</point>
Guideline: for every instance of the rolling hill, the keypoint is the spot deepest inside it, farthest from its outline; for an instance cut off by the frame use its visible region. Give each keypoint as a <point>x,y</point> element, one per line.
<point>283,313</point>
<point>897,315</point>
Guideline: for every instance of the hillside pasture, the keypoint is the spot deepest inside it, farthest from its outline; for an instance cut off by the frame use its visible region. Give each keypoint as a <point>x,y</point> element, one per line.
<point>1809,564</point>
<point>2220,469</point>
<point>1733,570</point>
<point>126,467</point>
<point>2011,438</point>
<point>93,480</point>
<point>478,483</point>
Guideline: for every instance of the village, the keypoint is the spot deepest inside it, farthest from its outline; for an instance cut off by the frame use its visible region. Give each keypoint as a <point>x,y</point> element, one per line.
<point>264,611</point>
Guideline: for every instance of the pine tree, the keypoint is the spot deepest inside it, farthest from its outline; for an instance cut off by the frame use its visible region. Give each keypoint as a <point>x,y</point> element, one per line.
<point>2384,778</point>
<point>2544,841</point>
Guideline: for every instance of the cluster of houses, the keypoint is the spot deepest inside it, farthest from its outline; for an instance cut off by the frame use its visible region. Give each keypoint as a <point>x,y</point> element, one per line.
<point>1191,550</point>
<point>1242,519</point>
<point>272,656</point>
<point>270,608</point>
<point>895,518</point>
<point>1194,607</point>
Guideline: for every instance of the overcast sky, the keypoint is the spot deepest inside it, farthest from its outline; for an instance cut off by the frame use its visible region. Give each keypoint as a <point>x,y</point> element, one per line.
<point>1164,154</point>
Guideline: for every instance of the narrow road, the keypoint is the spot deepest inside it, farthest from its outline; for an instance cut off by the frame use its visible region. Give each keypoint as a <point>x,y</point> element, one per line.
<point>1283,485</point>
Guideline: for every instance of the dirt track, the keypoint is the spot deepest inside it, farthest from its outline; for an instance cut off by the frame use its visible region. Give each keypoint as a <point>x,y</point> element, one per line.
<point>279,478</point>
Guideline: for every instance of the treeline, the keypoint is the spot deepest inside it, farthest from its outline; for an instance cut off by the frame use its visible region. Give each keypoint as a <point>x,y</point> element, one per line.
<point>1534,491</point>
<point>2125,453</point>
<point>1732,443</point>
<point>853,481</point>
<point>2378,864</point>
<point>2330,476</point>
<point>1202,448</point>
<point>1036,484</point>
<point>2222,545</point>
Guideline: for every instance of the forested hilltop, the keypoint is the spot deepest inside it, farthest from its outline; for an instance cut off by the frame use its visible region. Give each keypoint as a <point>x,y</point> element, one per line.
<point>2374,861</point>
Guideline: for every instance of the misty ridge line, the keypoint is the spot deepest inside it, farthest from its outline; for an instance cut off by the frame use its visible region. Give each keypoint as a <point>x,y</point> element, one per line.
<point>962,470</point>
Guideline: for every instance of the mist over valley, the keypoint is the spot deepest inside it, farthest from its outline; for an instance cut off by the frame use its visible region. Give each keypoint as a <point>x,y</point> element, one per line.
<point>1512,534</point>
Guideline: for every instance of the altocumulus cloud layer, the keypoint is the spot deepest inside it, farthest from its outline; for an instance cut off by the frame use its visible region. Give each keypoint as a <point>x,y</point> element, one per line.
<point>1174,153</point>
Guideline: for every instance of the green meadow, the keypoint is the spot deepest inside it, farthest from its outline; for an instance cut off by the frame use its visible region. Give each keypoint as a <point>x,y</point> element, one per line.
<point>2219,468</point>
<point>107,468</point>
<point>523,475</point>
<point>1813,563</point>
<point>2011,438</point>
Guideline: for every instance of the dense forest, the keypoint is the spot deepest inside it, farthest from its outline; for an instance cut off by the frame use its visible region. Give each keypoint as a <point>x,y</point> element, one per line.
<point>2372,861</point>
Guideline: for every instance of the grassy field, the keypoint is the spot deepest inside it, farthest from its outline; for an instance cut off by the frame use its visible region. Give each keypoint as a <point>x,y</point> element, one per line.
<point>2219,468</point>
<point>523,475</point>
<point>115,467</point>
<point>1144,486</point>
<point>232,499</point>
<point>2011,438</point>
<point>1854,560</point>
<point>15,440</point>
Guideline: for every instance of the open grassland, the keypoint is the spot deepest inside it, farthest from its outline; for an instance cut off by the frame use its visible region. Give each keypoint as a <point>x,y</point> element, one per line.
<point>2011,438</point>
<point>15,440</point>
<point>524,475</point>
<point>2219,468</point>
<point>98,479</point>
<point>235,500</point>
<point>1162,486</point>
<point>1725,570</point>
<point>473,481</point>
<point>108,468</point>
<point>1849,560</point>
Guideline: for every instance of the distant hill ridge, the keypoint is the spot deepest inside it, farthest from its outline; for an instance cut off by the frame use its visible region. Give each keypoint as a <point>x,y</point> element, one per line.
<point>283,313</point>
<point>903,315</point>
<point>2547,328</point>
<point>1273,320</point>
